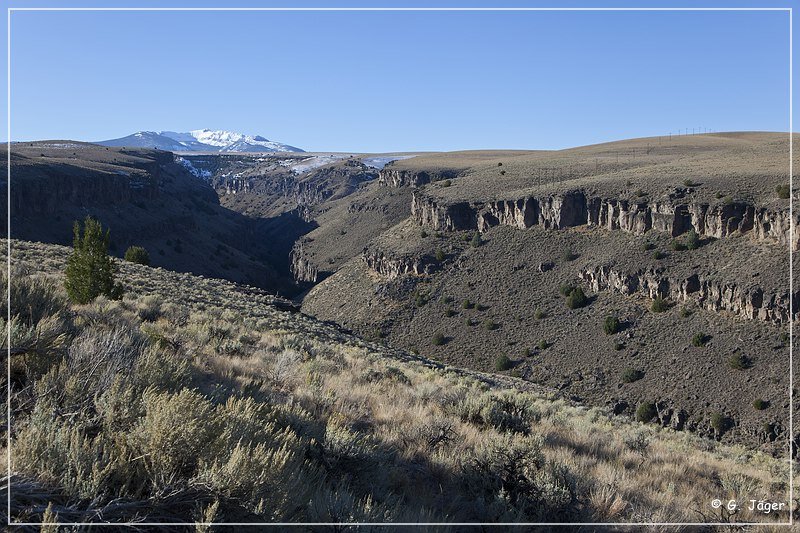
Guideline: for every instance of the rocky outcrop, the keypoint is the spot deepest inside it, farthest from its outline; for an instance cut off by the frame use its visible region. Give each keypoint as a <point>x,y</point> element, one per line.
<point>712,294</point>
<point>638,217</point>
<point>413,178</point>
<point>392,267</point>
<point>53,186</point>
<point>303,271</point>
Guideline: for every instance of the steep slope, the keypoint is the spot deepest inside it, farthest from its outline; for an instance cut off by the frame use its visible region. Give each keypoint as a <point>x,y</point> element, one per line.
<point>200,400</point>
<point>145,198</point>
<point>475,275</point>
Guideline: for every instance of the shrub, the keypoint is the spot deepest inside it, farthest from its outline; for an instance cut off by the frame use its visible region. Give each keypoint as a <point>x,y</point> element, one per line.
<point>760,404</point>
<point>565,289</point>
<point>569,255</point>
<point>438,339</point>
<point>150,308</point>
<point>783,191</point>
<point>619,345</point>
<point>420,299</point>
<point>648,246</point>
<point>490,324</point>
<point>476,240</point>
<point>90,270</point>
<point>502,362</point>
<point>446,183</point>
<point>676,245</point>
<point>577,299</point>
<point>543,344</point>
<point>507,410</point>
<point>740,362</point>
<point>689,183</point>
<point>611,325</point>
<point>631,374</point>
<point>137,254</point>
<point>685,312</point>
<point>466,304</point>
<point>539,314</point>
<point>692,240</point>
<point>514,467</point>
<point>423,233</point>
<point>719,422</point>
<point>449,312</point>
<point>659,305</point>
<point>646,412</point>
<point>658,254</point>
<point>700,339</point>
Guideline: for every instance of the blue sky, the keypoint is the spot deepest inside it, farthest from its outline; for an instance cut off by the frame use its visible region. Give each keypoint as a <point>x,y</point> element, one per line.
<point>383,81</point>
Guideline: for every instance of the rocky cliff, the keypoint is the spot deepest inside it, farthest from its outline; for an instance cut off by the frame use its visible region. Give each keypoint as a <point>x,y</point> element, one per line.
<point>303,271</point>
<point>750,302</point>
<point>413,178</point>
<point>393,266</point>
<point>674,215</point>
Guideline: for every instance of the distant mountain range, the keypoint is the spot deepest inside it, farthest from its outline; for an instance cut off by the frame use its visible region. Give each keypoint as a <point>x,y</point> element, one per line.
<point>200,141</point>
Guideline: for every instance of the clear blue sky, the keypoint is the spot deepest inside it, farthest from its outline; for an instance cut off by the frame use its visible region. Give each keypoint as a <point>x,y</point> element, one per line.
<point>382,81</point>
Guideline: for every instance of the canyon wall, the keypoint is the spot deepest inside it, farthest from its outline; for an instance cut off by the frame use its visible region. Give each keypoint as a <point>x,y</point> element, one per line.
<point>576,208</point>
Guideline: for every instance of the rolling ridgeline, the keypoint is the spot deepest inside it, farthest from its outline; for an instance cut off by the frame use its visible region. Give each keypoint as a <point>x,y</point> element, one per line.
<point>514,302</point>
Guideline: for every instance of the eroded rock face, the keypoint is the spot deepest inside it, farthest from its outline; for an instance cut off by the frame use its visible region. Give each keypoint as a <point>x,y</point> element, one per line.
<point>392,267</point>
<point>711,294</point>
<point>303,271</point>
<point>637,217</point>
<point>413,178</point>
<point>55,186</point>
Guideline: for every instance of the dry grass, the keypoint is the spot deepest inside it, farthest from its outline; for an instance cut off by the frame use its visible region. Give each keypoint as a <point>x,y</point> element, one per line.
<point>219,405</point>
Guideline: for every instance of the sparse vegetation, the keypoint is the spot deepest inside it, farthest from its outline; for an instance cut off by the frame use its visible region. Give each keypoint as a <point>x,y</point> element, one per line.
<point>137,254</point>
<point>646,412</point>
<point>700,339</point>
<point>719,423</point>
<point>676,245</point>
<point>692,240</point>
<point>740,362</point>
<point>90,270</point>
<point>611,325</point>
<point>659,305</point>
<point>502,362</point>
<point>543,344</point>
<point>227,409</point>
<point>760,404</point>
<point>629,375</point>
<point>446,183</point>
<point>577,299</point>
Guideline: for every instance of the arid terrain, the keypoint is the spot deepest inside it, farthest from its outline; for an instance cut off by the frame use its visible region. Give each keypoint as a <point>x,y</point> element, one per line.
<point>617,313</point>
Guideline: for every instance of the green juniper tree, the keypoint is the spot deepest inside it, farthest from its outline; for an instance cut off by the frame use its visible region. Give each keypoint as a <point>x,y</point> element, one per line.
<point>90,270</point>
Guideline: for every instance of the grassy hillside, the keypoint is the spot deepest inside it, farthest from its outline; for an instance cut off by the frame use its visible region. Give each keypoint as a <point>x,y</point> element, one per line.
<point>195,399</point>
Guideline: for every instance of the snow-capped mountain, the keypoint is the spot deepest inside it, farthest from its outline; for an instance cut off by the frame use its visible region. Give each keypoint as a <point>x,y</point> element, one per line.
<point>201,141</point>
